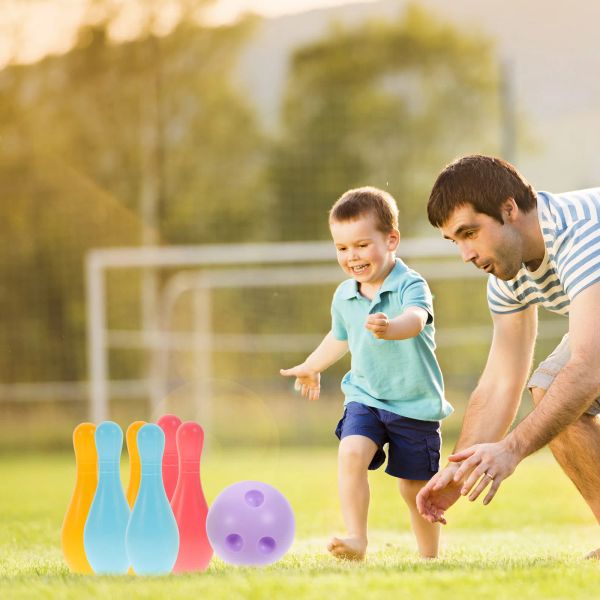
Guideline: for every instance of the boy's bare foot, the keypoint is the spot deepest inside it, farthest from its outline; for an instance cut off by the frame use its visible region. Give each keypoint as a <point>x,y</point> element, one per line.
<point>348,548</point>
<point>594,554</point>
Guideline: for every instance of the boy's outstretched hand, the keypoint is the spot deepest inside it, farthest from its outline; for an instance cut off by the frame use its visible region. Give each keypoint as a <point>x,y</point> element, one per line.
<point>378,324</point>
<point>308,381</point>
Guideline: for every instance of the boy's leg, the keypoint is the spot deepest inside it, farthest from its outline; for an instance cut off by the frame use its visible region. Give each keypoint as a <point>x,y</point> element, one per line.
<point>427,534</point>
<point>414,457</point>
<point>355,455</point>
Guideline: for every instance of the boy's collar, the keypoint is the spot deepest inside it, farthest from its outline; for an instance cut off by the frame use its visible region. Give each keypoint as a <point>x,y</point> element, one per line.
<point>390,283</point>
<point>349,289</point>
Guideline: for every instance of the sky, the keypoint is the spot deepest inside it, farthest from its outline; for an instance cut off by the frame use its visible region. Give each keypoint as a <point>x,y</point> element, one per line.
<point>227,10</point>
<point>31,29</point>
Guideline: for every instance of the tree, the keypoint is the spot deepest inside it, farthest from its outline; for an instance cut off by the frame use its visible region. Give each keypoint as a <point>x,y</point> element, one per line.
<point>385,104</point>
<point>72,168</point>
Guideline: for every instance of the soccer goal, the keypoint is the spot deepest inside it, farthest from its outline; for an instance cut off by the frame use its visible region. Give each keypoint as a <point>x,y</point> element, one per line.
<point>222,306</point>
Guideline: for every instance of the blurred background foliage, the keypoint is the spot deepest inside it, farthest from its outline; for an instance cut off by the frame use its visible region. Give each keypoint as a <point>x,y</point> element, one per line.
<point>152,141</point>
<point>385,103</point>
<point>83,136</point>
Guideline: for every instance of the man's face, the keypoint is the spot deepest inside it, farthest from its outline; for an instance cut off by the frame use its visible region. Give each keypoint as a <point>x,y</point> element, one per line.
<point>491,246</point>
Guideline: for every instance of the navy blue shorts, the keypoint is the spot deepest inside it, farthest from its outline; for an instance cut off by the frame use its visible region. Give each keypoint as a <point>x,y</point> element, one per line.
<point>413,445</point>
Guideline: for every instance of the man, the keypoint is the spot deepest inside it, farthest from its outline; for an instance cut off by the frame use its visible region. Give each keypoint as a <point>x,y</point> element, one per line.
<point>538,248</point>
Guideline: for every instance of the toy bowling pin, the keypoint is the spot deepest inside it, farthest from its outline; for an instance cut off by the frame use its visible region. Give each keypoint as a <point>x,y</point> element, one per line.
<point>188,503</point>
<point>152,534</point>
<point>86,480</point>
<point>134,461</point>
<point>104,533</point>
<point>170,465</point>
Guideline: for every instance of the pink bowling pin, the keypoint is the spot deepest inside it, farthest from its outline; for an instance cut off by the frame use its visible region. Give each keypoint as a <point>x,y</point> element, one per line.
<point>170,463</point>
<point>188,503</point>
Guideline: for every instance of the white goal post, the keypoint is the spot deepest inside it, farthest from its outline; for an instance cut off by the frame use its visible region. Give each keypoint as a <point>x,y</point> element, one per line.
<point>267,264</point>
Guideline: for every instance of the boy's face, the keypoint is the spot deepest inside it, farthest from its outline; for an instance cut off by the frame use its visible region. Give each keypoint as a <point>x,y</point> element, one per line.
<point>364,252</point>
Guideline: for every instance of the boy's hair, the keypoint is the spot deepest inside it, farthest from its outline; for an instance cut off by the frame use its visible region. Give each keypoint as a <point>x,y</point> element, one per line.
<point>485,182</point>
<point>363,201</point>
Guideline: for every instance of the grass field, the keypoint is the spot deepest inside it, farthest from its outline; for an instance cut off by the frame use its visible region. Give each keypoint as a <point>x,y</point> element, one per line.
<point>528,543</point>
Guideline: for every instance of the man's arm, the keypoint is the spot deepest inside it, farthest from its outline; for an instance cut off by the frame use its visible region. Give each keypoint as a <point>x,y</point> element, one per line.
<point>308,373</point>
<point>572,391</point>
<point>494,402</point>
<point>576,385</point>
<point>492,406</point>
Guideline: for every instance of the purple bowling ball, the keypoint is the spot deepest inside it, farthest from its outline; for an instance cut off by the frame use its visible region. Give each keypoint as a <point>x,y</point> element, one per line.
<point>250,523</point>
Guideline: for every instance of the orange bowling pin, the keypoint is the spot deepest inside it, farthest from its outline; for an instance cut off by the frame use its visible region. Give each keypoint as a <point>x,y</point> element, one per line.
<point>134,462</point>
<point>86,480</point>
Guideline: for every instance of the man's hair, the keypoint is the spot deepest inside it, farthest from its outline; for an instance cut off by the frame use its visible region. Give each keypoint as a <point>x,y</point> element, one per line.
<point>484,182</point>
<point>364,201</point>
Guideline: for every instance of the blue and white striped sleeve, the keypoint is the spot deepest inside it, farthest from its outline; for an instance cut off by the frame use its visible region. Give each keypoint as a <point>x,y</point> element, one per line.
<point>578,256</point>
<point>500,298</point>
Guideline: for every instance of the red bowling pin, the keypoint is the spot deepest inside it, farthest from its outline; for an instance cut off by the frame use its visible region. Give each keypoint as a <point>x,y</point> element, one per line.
<point>188,503</point>
<point>170,463</point>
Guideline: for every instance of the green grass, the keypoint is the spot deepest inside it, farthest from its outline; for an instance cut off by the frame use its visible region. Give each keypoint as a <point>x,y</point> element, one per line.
<point>528,543</point>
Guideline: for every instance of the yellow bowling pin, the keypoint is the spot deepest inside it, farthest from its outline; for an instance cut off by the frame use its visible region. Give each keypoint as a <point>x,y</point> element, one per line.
<point>85,487</point>
<point>134,462</point>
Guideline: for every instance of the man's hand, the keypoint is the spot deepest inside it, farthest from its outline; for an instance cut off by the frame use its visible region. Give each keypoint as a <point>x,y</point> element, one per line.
<point>308,381</point>
<point>439,494</point>
<point>378,324</point>
<point>483,465</point>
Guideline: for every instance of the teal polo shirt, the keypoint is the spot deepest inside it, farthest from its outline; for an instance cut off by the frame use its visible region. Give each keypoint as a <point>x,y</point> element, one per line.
<point>401,376</point>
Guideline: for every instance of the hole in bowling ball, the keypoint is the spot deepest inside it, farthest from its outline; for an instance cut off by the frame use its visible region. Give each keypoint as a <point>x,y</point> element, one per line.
<point>254,498</point>
<point>234,542</point>
<point>266,545</point>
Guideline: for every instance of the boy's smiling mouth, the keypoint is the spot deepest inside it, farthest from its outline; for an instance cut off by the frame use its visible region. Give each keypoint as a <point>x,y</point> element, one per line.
<point>358,269</point>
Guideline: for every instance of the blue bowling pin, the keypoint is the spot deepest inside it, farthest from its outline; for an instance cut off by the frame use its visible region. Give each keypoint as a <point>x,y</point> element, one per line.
<point>104,532</point>
<point>152,533</point>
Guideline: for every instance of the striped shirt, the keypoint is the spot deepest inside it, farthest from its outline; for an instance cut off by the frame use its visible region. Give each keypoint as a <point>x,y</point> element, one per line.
<point>570,225</point>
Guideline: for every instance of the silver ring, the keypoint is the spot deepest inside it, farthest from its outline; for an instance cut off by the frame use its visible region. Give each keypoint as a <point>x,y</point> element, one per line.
<point>488,475</point>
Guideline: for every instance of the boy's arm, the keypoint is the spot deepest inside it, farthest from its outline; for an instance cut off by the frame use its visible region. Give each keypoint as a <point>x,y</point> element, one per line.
<point>329,351</point>
<point>308,374</point>
<point>407,325</point>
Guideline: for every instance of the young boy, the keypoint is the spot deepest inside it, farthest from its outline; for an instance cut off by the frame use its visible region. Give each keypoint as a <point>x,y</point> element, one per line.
<point>394,389</point>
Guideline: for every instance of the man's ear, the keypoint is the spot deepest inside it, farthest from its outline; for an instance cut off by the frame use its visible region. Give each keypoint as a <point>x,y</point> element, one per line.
<point>509,210</point>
